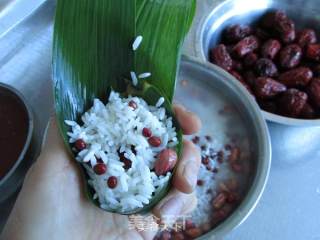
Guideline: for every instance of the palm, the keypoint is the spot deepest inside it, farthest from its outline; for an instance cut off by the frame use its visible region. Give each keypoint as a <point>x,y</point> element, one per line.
<point>59,195</point>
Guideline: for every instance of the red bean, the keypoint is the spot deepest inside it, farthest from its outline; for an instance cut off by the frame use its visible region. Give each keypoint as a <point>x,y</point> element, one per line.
<point>112,182</point>
<point>219,200</point>
<point>234,154</point>
<point>193,232</point>
<point>196,140</point>
<point>127,162</point>
<point>236,167</point>
<point>205,160</point>
<point>154,141</point>
<point>189,224</point>
<point>146,132</point>
<point>100,168</point>
<point>200,182</point>
<point>165,235</point>
<point>166,161</point>
<point>133,105</point>
<point>80,144</point>
<point>232,197</point>
<point>177,236</point>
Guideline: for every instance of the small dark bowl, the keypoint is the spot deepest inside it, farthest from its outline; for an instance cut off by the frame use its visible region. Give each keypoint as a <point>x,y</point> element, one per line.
<point>12,180</point>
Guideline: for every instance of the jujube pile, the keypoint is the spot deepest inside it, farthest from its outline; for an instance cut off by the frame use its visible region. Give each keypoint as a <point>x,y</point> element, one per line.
<point>277,63</point>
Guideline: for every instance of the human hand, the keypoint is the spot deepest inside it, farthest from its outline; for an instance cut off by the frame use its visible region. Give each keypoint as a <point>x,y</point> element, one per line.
<point>52,204</point>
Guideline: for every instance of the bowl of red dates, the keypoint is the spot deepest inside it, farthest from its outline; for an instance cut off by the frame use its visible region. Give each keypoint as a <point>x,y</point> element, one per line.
<point>273,49</point>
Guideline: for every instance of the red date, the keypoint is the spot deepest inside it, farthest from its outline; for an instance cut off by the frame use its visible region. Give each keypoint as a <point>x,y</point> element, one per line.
<point>268,88</point>
<point>266,68</point>
<point>268,105</point>
<point>236,75</point>
<point>300,76</point>
<point>262,34</point>
<point>313,52</point>
<point>235,33</point>
<point>249,77</point>
<point>245,46</point>
<point>278,65</point>
<point>308,112</point>
<point>285,29</point>
<point>316,70</point>
<point>290,56</point>
<point>271,18</point>
<point>270,48</point>
<point>240,79</point>
<point>220,56</point>
<point>237,65</point>
<point>314,91</point>
<point>306,37</point>
<point>250,60</point>
<point>292,102</point>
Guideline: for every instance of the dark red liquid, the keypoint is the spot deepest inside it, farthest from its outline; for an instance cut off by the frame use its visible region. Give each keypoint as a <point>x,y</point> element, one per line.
<point>13,130</point>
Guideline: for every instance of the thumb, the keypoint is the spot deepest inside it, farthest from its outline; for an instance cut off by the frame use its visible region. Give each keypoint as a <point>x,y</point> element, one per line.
<point>175,206</point>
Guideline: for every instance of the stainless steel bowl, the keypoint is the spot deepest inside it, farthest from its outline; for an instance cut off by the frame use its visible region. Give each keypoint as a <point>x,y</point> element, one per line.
<point>205,89</point>
<point>247,12</point>
<point>13,179</point>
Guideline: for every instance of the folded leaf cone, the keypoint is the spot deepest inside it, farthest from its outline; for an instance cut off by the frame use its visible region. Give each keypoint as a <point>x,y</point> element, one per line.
<point>92,53</point>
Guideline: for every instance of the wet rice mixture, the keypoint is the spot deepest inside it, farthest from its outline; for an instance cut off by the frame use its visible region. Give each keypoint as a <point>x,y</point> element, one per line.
<point>220,188</point>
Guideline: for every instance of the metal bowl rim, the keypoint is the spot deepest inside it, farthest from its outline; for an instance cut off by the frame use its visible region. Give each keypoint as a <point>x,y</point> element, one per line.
<point>24,103</point>
<point>267,115</point>
<point>263,164</point>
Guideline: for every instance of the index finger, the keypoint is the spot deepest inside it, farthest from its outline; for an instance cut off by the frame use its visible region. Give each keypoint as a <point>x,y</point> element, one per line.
<point>189,122</point>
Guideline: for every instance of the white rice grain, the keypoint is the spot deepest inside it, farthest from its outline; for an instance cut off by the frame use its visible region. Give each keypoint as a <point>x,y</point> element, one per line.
<point>134,78</point>
<point>144,75</point>
<point>160,102</point>
<point>136,43</point>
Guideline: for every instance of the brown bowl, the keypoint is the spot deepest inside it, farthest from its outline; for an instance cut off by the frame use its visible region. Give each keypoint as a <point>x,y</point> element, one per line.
<point>12,179</point>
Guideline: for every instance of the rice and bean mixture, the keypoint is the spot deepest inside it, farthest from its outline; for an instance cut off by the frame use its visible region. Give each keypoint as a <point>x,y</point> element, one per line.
<point>127,148</point>
<point>220,186</point>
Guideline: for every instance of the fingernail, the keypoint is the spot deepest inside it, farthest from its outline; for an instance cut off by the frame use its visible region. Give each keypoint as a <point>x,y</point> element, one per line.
<point>172,207</point>
<point>190,174</point>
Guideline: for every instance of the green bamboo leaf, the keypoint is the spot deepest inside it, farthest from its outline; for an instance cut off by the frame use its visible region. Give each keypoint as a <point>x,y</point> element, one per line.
<point>92,53</point>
